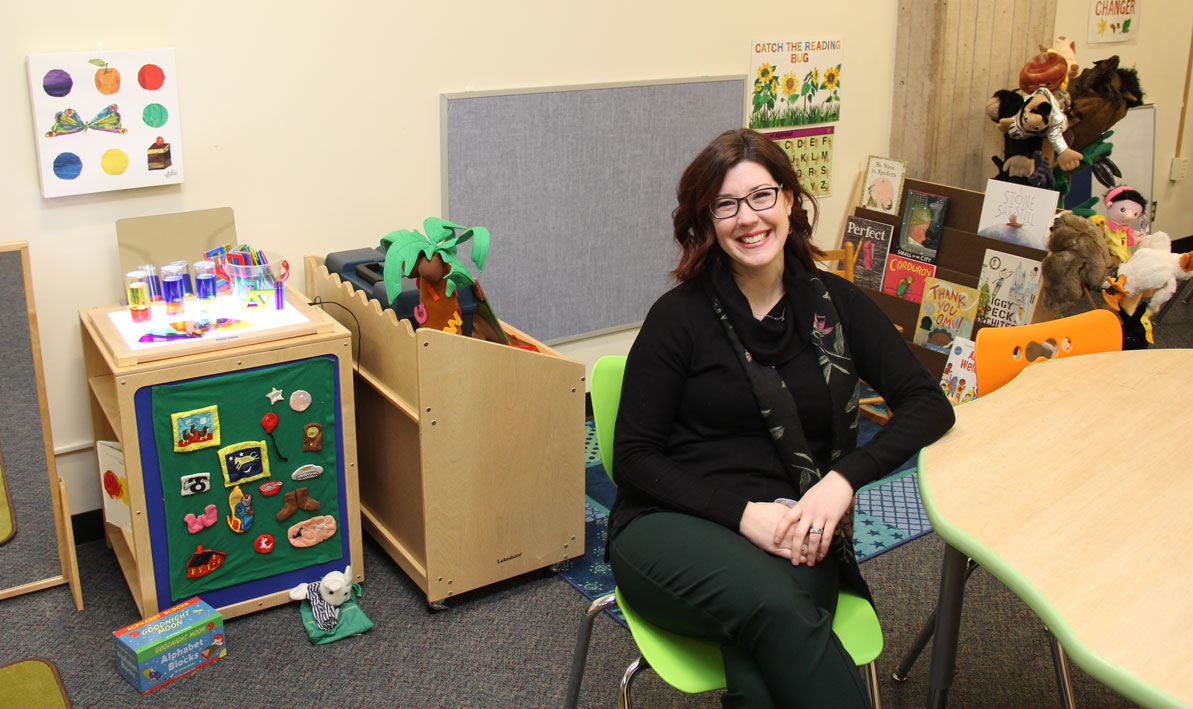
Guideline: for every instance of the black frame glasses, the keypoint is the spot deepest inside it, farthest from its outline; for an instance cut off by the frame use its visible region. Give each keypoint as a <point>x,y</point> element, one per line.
<point>759,200</point>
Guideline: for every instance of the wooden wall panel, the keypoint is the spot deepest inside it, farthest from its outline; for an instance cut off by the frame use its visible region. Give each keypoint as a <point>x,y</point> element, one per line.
<point>950,57</point>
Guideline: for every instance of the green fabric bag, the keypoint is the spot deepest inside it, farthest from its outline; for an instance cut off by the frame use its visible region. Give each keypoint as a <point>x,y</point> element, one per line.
<point>353,621</point>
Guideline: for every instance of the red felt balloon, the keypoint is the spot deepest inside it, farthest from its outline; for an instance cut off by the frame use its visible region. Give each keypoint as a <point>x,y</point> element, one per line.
<point>269,422</point>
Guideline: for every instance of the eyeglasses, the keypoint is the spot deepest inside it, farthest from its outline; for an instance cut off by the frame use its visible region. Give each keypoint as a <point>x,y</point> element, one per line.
<point>759,200</point>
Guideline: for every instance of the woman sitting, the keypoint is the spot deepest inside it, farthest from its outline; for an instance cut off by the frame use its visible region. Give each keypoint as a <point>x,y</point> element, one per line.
<point>735,449</point>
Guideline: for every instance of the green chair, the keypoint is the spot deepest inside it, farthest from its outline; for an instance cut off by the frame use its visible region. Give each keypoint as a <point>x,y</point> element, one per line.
<point>689,664</point>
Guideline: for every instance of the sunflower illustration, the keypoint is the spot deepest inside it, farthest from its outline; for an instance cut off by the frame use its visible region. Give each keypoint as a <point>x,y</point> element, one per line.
<point>832,76</point>
<point>790,84</point>
<point>766,73</point>
<point>815,76</point>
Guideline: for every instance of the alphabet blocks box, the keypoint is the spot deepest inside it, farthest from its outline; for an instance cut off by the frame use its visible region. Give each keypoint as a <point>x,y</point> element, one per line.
<point>169,644</point>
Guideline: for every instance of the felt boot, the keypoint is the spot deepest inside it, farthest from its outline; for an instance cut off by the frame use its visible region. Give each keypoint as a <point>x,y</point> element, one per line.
<point>289,504</point>
<point>305,501</point>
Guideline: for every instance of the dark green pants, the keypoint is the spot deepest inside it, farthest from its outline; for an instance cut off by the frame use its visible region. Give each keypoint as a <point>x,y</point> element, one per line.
<point>773,620</point>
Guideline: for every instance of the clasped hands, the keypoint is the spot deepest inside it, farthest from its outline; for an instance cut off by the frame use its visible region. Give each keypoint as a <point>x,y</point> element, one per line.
<point>802,533</point>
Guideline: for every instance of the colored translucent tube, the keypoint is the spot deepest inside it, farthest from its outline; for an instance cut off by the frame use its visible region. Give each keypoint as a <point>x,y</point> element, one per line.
<point>136,286</point>
<point>183,267</point>
<point>152,280</point>
<point>173,291</point>
<point>206,288</point>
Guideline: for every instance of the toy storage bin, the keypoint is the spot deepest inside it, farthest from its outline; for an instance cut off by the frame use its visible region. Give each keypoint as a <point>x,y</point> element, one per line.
<point>471,453</point>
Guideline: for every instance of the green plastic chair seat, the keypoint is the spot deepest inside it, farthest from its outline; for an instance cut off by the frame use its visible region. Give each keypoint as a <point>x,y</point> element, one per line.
<point>695,665</point>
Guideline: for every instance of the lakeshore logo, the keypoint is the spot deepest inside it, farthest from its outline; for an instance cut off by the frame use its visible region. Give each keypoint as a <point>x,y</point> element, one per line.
<point>511,557</point>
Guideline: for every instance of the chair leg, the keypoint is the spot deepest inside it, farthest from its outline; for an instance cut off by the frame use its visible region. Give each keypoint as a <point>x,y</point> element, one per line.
<point>925,634</point>
<point>872,685</point>
<point>623,692</point>
<point>580,652</point>
<point>1063,682</point>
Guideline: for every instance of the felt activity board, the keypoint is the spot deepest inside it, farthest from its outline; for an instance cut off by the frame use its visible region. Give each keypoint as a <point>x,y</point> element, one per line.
<point>105,120</point>
<point>244,480</point>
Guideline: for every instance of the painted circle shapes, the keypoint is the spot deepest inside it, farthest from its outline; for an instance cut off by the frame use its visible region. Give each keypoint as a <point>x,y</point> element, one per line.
<point>67,166</point>
<point>151,77</point>
<point>57,83</point>
<point>114,161</point>
<point>155,115</point>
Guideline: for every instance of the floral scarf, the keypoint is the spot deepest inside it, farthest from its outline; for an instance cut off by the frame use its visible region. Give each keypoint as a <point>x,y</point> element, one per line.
<point>779,410</point>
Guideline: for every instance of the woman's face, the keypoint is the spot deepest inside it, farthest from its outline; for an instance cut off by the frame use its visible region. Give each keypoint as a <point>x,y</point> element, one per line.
<point>753,239</point>
<point>1123,212</point>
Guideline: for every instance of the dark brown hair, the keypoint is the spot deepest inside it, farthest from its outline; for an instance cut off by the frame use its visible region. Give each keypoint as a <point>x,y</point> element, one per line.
<point>700,183</point>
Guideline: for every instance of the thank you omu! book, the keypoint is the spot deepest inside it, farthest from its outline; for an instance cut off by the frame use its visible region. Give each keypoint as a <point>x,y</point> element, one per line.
<point>946,312</point>
<point>872,243</point>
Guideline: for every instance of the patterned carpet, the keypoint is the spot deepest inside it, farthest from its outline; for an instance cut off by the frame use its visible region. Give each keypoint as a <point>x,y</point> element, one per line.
<point>887,513</point>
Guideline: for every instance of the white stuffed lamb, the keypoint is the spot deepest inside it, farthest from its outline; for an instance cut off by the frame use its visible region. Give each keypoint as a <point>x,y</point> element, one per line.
<point>326,596</point>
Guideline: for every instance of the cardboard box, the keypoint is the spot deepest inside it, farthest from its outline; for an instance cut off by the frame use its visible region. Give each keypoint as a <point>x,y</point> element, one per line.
<point>169,644</point>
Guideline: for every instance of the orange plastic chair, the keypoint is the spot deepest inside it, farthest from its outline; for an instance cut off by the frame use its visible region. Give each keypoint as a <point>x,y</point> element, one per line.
<point>1002,352</point>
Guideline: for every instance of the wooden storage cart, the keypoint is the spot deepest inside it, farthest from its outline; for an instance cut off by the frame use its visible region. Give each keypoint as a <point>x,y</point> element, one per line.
<point>115,376</point>
<point>472,453</point>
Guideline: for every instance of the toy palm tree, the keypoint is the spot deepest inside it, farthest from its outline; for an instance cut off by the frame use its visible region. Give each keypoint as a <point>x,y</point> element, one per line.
<point>432,259</point>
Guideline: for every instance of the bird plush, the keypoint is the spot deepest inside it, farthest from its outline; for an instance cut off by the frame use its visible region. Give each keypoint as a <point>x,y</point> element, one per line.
<point>1152,272</point>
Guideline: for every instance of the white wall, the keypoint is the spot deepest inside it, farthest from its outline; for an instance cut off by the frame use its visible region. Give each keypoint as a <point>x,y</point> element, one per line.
<point>320,126</point>
<point>1160,54</point>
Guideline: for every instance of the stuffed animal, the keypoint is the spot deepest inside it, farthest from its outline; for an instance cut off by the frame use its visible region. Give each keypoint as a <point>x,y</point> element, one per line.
<point>1124,206</point>
<point>1153,272</point>
<point>326,596</point>
<point>1078,259</point>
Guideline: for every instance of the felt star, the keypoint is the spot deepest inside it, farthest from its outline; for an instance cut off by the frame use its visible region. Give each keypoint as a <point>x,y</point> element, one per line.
<point>274,396</point>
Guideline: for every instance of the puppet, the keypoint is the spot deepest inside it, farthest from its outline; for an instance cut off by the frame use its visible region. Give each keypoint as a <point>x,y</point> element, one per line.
<point>1078,260</point>
<point>1145,283</point>
<point>1124,207</point>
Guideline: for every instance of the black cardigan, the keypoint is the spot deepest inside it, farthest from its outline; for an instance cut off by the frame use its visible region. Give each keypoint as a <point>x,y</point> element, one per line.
<point>689,434</point>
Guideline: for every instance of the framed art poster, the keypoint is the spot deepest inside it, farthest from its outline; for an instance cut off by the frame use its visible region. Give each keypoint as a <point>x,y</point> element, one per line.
<point>105,120</point>
<point>794,83</point>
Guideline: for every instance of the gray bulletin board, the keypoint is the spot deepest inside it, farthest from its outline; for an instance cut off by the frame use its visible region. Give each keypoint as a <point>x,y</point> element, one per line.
<point>576,186</point>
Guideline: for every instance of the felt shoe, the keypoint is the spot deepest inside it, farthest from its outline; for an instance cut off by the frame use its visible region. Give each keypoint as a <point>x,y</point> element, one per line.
<point>305,501</point>
<point>289,505</point>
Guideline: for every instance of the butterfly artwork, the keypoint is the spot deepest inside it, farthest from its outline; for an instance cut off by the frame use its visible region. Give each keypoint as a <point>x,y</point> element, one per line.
<point>67,122</point>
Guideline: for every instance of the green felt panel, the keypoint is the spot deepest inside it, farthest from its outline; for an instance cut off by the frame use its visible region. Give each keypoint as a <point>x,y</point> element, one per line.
<point>31,682</point>
<point>241,400</point>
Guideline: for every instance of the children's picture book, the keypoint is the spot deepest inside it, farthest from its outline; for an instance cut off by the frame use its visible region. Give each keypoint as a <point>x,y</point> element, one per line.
<point>883,184</point>
<point>1007,289</point>
<point>1017,214</point>
<point>959,382</point>
<point>923,222</point>
<point>872,242</point>
<point>905,277</point>
<point>947,312</point>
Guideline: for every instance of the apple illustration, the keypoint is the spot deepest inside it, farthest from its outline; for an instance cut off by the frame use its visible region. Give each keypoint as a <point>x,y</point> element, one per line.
<point>107,79</point>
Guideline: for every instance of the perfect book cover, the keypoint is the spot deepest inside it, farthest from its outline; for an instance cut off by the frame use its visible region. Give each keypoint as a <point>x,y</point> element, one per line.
<point>872,243</point>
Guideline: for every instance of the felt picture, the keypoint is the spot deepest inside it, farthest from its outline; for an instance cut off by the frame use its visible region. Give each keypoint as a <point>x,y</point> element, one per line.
<point>196,429</point>
<point>244,462</point>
